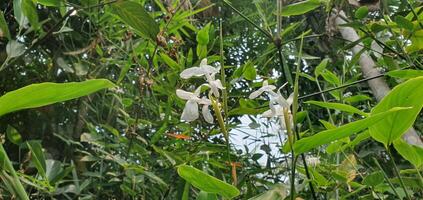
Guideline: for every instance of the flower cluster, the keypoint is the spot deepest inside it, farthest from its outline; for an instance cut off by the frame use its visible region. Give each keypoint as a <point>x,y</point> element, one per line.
<point>191,110</point>
<point>277,103</point>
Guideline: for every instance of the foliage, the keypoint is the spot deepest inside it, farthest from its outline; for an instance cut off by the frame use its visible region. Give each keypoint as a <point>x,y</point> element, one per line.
<point>202,99</point>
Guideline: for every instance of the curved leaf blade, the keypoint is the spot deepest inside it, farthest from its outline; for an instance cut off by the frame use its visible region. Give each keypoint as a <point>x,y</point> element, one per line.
<point>42,94</point>
<point>339,106</point>
<point>207,183</point>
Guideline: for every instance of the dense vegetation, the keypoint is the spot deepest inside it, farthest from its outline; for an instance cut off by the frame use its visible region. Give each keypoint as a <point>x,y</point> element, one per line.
<point>211,99</point>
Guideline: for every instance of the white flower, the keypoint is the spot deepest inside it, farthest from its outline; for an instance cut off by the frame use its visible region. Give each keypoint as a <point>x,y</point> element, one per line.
<point>265,88</point>
<point>190,112</point>
<point>313,161</point>
<point>202,70</point>
<point>209,72</point>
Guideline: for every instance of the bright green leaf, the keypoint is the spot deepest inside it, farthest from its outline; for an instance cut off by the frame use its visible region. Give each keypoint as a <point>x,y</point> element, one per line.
<point>412,153</point>
<point>55,3</point>
<point>203,35</point>
<point>407,94</point>
<point>405,73</point>
<point>37,156</point>
<point>321,67</point>
<point>339,106</point>
<point>327,136</point>
<point>30,11</point>
<point>276,193</point>
<point>362,12</point>
<point>403,22</point>
<point>300,8</point>
<point>42,94</point>
<point>207,183</point>
<point>206,196</point>
<point>250,72</point>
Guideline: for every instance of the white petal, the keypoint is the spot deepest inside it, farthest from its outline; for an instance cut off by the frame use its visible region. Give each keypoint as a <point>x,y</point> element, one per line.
<point>207,69</point>
<point>204,101</point>
<point>203,62</point>
<point>190,72</point>
<point>268,114</point>
<point>184,94</point>
<point>290,99</point>
<point>219,84</point>
<point>207,114</point>
<point>255,94</point>
<point>190,112</point>
<point>268,88</point>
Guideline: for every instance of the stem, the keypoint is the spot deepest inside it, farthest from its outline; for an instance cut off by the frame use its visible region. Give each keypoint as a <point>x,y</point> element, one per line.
<point>391,158</point>
<point>387,178</point>
<point>222,70</point>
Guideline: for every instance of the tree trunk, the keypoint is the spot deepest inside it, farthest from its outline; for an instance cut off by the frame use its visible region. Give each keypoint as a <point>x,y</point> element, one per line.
<point>378,86</point>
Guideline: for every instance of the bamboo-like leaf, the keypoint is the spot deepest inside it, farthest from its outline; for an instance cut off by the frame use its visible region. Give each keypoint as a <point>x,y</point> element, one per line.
<point>327,136</point>
<point>207,183</point>
<point>37,156</point>
<point>42,94</point>
<point>300,8</point>
<point>339,106</point>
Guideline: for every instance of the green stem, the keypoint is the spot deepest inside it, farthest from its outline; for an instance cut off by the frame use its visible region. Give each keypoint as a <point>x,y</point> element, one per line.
<point>387,178</point>
<point>391,158</point>
<point>8,167</point>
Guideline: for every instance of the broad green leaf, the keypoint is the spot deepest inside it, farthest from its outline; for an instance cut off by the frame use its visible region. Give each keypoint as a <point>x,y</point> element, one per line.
<point>300,8</point>
<point>19,14</point>
<point>30,11</point>
<point>4,29</point>
<point>203,35</point>
<point>37,156</point>
<point>14,49</point>
<point>406,73</point>
<point>412,153</point>
<point>250,72</point>
<point>55,3</point>
<point>327,136</point>
<point>42,94</point>
<point>207,183</point>
<point>170,62</point>
<point>134,15</point>
<point>338,106</point>
<point>13,135</point>
<point>407,94</point>
<point>206,196</point>
<point>276,193</point>
<point>403,22</point>
<point>373,179</point>
<point>361,12</point>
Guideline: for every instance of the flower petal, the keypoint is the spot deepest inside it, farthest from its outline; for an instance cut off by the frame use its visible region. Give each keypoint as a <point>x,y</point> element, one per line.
<point>255,94</point>
<point>184,94</point>
<point>190,112</point>
<point>207,114</point>
<point>290,99</point>
<point>190,72</point>
<point>268,114</point>
<point>204,101</point>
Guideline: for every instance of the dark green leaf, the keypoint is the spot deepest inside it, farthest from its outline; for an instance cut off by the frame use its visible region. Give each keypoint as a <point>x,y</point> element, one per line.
<point>4,28</point>
<point>339,106</point>
<point>134,15</point>
<point>373,179</point>
<point>13,135</point>
<point>403,22</point>
<point>30,11</point>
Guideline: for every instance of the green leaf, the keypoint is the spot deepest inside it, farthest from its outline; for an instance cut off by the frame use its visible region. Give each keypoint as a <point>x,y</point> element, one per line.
<point>203,35</point>
<point>407,94</point>
<point>206,196</point>
<point>338,106</point>
<point>4,29</point>
<point>37,156</point>
<point>42,94</point>
<point>373,179</point>
<point>300,8</point>
<point>331,77</point>
<point>55,3</point>
<point>250,72</point>
<point>405,73</point>
<point>30,11</point>
<point>14,49</point>
<point>134,15</point>
<point>404,23</point>
<point>207,183</point>
<point>276,193</point>
<point>362,12</point>
<point>327,136</point>
<point>170,62</point>
<point>13,135</point>
<point>412,153</point>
